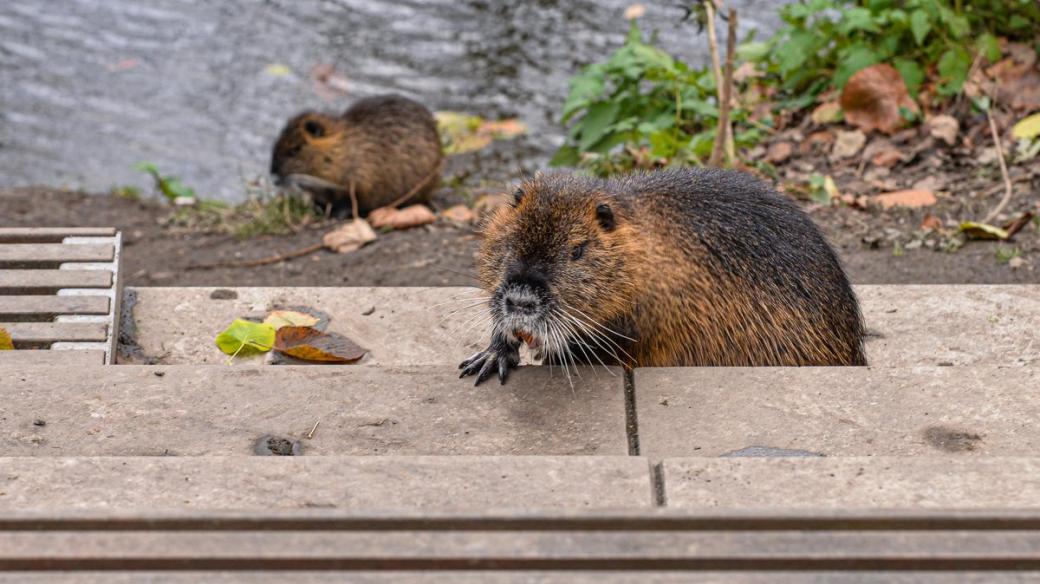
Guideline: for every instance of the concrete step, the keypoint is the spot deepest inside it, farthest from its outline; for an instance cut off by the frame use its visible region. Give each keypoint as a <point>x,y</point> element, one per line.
<point>316,410</point>
<point>361,483</point>
<point>909,325</point>
<point>862,411</point>
<point>848,483</point>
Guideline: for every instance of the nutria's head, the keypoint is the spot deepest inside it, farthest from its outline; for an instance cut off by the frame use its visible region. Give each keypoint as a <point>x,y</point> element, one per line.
<point>307,152</point>
<point>555,261</point>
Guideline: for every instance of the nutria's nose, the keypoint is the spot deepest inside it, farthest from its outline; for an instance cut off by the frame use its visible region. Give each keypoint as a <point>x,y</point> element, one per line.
<point>522,302</point>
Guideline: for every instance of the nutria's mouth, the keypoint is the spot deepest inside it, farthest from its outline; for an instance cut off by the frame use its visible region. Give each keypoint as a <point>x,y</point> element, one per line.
<point>534,343</point>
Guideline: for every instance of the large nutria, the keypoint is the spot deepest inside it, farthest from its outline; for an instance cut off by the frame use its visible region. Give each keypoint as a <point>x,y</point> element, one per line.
<point>383,147</point>
<point>672,268</point>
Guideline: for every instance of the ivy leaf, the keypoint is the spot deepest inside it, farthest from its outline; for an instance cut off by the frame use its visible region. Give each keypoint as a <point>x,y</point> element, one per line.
<point>6,342</point>
<point>243,337</point>
<point>920,25</point>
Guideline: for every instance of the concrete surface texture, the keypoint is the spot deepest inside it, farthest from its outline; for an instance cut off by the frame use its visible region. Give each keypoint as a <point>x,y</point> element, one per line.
<point>908,325</point>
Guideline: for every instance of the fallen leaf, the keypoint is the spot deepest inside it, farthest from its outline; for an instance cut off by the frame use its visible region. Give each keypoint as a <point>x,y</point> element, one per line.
<point>459,214</point>
<point>309,344</point>
<point>277,70</point>
<point>944,127</point>
<point>1015,225</point>
<point>847,144</point>
<point>410,216</point>
<point>779,152</point>
<point>931,223</point>
<point>349,237</point>
<point>816,140</point>
<point>982,231</point>
<point>243,337</point>
<point>1017,84</point>
<point>827,113</point>
<point>881,152</point>
<point>873,97</point>
<point>634,11</point>
<point>6,342</point>
<point>283,318</point>
<point>466,133</point>
<point>1027,128</point>
<point>910,198</point>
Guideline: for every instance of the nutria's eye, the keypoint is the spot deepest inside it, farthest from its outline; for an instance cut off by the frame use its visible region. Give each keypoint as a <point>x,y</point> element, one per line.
<point>578,251</point>
<point>605,216</point>
<point>314,128</point>
<point>519,194</point>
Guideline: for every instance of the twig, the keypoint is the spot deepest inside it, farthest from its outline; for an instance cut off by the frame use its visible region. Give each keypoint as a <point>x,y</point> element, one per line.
<point>353,201</point>
<point>274,259</point>
<point>1008,189</point>
<point>311,433</point>
<point>724,131</point>
<point>418,187</point>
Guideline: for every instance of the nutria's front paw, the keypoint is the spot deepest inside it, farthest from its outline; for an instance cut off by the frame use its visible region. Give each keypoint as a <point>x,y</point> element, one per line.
<point>501,355</point>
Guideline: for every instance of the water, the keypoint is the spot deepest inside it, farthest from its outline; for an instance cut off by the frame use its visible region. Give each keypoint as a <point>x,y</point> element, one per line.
<point>90,87</point>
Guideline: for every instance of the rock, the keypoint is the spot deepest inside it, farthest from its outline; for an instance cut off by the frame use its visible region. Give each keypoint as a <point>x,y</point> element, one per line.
<point>847,144</point>
<point>944,127</point>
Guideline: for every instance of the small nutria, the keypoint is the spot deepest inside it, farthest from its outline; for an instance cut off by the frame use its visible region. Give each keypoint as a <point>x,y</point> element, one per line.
<point>672,268</point>
<point>385,147</point>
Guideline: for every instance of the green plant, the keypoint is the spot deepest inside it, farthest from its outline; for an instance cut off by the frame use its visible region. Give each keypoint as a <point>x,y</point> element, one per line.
<point>266,212</point>
<point>170,186</point>
<point>128,192</point>
<point>1005,254</point>
<point>642,108</point>
<point>823,42</point>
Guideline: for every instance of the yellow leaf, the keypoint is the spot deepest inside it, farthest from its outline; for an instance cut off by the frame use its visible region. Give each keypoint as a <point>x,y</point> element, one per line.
<point>982,231</point>
<point>1027,128</point>
<point>6,343</point>
<point>280,318</point>
<point>277,70</point>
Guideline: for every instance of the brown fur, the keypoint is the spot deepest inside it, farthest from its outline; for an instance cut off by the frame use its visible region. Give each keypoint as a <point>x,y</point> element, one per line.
<point>384,146</point>
<point>702,267</point>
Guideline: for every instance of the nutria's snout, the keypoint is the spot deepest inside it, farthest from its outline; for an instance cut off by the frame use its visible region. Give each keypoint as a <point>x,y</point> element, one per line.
<point>523,305</point>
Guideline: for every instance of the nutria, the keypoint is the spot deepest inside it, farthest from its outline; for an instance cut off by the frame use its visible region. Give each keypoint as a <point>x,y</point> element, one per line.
<point>385,147</point>
<point>672,268</point>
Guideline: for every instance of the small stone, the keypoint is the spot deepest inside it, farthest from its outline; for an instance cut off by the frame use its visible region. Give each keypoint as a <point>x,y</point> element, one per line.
<point>848,144</point>
<point>369,311</point>
<point>223,294</point>
<point>42,423</point>
<point>945,128</point>
<point>1016,263</point>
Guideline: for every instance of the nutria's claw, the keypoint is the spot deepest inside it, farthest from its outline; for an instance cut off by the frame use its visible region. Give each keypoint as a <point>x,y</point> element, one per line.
<point>500,356</point>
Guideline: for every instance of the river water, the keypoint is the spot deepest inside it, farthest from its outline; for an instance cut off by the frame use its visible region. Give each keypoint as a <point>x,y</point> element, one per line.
<point>90,87</point>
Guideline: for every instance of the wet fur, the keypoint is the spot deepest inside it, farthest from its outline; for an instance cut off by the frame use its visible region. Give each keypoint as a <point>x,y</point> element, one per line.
<point>385,145</point>
<point>703,267</point>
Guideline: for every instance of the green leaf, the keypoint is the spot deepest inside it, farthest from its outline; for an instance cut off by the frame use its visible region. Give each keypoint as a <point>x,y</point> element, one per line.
<point>243,337</point>
<point>912,74</point>
<point>596,123</point>
<point>565,156</point>
<point>989,47</point>
<point>1018,21</point>
<point>857,19</point>
<point>953,69</point>
<point>920,25</point>
<point>6,342</point>
<point>855,58</point>
<point>755,51</point>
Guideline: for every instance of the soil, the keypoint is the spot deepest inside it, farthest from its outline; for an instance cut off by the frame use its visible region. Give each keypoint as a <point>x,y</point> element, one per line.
<point>877,246</point>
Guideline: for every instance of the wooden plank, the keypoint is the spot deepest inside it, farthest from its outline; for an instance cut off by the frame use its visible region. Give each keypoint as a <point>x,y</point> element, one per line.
<point>71,358</point>
<point>23,305</point>
<point>52,332</point>
<point>54,279</point>
<point>29,253</point>
<point>530,550</point>
<point>55,234</point>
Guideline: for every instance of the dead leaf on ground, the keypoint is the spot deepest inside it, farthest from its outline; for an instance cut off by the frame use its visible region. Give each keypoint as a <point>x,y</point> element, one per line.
<point>459,214</point>
<point>847,144</point>
<point>465,133</point>
<point>779,152</point>
<point>931,223</point>
<point>1017,84</point>
<point>350,236</point>
<point>826,113</point>
<point>944,127</point>
<point>284,318</point>
<point>309,344</point>
<point>1015,225</point>
<point>817,141</point>
<point>410,216</point>
<point>6,343</point>
<point>910,198</point>
<point>976,230</point>
<point>873,97</point>
<point>881,152</point>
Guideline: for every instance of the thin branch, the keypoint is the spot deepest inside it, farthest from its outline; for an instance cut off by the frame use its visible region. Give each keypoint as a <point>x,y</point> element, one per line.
<point>724,131</point>
<point>274,259</point>
<point>418,187</point>
<point>1008,188</point>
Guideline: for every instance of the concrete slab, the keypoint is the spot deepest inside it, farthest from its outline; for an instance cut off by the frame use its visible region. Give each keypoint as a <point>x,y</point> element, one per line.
<point>208,410</point>
<point>952,325</point>
<point>909,325</point>
<point>862,411</point>
<point>852,483</point>
<point>368,483</point>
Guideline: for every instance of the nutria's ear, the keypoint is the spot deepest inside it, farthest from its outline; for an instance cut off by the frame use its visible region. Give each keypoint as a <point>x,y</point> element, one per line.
<point>605,215</point>
<point>517,196</point>
<point>314,128</point>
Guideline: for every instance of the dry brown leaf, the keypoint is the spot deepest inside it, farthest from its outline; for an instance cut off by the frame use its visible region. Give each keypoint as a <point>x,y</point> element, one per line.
<point>349,237</point>
<point>1017,84</point>
<point>284,318</point>
<point>848,144</point>
<point>873,97</point>
<point>817,141</point>
<point>931,223</point>
<point>826,113</point>
<point>309,344</point>
<point>779,152</point>
<point>910,198</point>
<point>459,214</point>
<point>410,216</point>
<point>944,127</point>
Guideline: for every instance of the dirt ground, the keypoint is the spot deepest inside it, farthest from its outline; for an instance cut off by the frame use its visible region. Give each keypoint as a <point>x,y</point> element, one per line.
<point>877,248</point>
